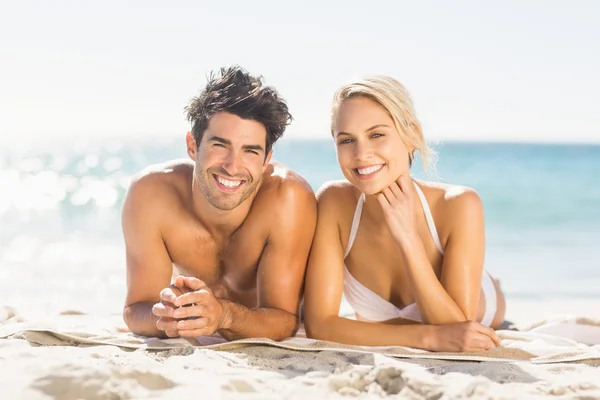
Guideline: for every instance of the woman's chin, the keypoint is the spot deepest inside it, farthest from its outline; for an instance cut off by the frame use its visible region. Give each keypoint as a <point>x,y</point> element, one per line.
<point>369,188</point>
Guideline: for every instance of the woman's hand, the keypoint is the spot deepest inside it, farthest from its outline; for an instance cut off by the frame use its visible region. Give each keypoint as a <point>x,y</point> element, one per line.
<point>397,203</point>
<point>465,336</point>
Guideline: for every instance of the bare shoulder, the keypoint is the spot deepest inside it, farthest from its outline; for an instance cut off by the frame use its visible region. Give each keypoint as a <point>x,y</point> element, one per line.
<point>158,185</point>
<point>451,201</point>
<point>338,193</point>
<point>463,199</point>
<point>286,189</point>
<point>337,201</point>
<point>290,204</point>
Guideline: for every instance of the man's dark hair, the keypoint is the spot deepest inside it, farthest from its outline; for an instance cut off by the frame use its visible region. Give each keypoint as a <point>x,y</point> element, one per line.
<point>236,91</point>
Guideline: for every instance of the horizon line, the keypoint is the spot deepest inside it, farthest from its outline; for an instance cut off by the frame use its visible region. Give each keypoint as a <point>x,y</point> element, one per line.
<point>9,144</point>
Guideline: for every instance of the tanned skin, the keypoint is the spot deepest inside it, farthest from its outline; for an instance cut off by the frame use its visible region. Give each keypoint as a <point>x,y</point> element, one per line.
<point>205,258</point>
<point>394,255</point>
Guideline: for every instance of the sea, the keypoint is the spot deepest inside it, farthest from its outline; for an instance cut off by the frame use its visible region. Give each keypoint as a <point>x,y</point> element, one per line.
<point>61,246</point>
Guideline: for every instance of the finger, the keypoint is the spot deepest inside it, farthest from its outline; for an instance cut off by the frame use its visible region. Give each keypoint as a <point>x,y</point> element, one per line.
<point>172,334</point>
<point>162,310</point>
<point>489,332</point>
<point>191,324</point>
<point>168,295</point>
<point>193,311</point>
<point>197,332</point>
<point>194,283</point>
<point>395,189</point>
<point>199,296</point>
<point>403,184</point>
<point>495,338</point>
<point>179,282</point>
<point>485,343</point>
<point>166,324</point>
<point>482,343</point>
<point>383,201</point>
<point>389,195</point>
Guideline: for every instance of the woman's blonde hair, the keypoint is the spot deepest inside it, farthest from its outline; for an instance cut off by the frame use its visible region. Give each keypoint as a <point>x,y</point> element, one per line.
<point>395,99</point>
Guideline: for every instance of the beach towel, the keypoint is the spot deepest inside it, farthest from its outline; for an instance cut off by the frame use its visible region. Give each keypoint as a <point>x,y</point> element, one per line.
<point>557,340</point>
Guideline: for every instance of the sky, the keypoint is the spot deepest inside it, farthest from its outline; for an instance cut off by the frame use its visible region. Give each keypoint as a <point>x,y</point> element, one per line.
<point>508,71</point>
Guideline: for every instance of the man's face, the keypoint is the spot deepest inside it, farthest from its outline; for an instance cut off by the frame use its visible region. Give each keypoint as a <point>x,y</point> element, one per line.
<point>230,159</point>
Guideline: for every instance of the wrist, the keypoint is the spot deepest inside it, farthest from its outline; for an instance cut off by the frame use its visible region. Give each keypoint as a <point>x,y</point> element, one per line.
<point>226,314</point>
<point>431,338</point>
<point>409,241</point>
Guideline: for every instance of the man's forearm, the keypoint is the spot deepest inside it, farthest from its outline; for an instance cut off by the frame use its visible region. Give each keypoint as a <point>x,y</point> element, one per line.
<point>271,323</point>
<point>141,321</point>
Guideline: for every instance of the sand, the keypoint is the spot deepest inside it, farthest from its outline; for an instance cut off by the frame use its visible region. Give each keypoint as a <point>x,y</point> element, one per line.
<point>39,364</point>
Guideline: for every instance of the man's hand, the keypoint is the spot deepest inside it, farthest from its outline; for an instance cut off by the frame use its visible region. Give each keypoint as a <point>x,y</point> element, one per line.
<point>166,306</point>
<point>197,311</point>
<point>465,336</point>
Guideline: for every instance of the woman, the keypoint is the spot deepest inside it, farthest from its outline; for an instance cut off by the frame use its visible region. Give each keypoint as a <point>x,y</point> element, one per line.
<point>408,255</point>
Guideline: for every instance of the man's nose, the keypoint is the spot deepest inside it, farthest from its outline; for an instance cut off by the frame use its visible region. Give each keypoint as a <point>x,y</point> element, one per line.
<point>232,164</point>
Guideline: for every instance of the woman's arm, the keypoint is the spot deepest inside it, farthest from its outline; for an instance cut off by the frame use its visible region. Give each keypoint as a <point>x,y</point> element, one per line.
<point>323,295</point>
<point>455,297</point>
<point>324,286</point>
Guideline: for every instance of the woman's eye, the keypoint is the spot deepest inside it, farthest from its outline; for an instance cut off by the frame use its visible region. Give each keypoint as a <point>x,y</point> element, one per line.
<point>345,141</point>
<point>376,135</point>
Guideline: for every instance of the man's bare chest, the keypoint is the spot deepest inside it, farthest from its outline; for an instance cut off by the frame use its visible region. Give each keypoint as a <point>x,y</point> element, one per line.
<point>231,262</point>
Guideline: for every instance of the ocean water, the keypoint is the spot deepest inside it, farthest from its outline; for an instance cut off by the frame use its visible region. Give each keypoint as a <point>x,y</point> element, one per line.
<point>61,245</point>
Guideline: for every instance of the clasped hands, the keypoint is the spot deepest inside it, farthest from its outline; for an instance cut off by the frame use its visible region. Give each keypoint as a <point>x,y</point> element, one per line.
<point>188,308</point>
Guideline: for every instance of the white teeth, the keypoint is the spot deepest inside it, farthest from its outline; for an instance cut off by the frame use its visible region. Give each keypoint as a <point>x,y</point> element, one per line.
<point>369,170</point>
<point>228,183</point>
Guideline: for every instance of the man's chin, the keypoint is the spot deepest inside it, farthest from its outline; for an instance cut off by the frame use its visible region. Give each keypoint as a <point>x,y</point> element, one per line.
<point>227,201</point>
<point>225,204</point>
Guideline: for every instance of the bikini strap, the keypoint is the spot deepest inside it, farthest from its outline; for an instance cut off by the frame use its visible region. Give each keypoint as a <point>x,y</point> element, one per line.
<point>429,219</point>
<point>355,223</point>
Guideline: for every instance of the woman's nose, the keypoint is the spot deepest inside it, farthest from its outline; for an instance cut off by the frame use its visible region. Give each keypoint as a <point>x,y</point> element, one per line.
<point>362,150</point>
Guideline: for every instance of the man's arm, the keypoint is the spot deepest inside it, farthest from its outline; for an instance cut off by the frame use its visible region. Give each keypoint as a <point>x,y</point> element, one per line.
<point>149,267</point>
<point>281,270</point>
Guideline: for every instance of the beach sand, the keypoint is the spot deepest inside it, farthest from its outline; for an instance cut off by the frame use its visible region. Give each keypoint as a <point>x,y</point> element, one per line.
<point>60,369</point>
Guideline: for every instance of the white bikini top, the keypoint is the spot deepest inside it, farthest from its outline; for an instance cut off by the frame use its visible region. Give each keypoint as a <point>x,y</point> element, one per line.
<point>363,300</point>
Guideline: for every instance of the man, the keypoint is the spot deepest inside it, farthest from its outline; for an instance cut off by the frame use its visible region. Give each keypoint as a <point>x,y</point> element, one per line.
<point>220,244</point>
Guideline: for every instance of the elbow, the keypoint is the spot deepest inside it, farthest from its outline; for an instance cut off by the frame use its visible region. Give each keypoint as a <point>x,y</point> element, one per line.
<point>128,318</point>
<point>288,328</point>
<point>133,323</point>
<point>316,329</point>
<point>290,331</point>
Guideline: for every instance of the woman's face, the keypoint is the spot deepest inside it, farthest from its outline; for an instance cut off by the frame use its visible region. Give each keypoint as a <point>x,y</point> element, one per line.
<point>369,149</point>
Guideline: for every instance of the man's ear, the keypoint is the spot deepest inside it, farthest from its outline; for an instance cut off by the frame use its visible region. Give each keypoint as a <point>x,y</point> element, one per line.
<point>268,157</point>
<point>192,148</point>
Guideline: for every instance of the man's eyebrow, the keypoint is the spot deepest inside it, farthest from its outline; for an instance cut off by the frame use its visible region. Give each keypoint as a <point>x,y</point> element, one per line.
<point>221,140</point>
<point>257,147</point>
